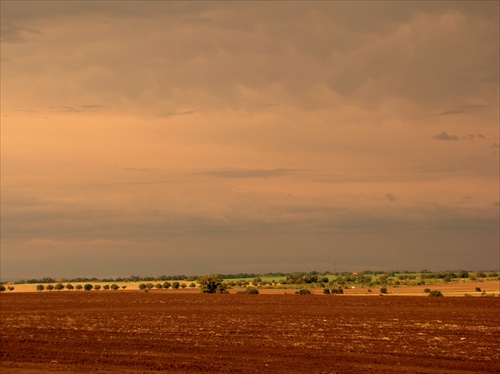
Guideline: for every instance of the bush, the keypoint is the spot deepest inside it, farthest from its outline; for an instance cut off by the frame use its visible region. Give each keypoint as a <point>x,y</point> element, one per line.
<point>10,288</point>
<point>478,289</point>
<point>87,287</point>
<point>49,287</point>
<point>427,290</point>
<point>167,285</point>
<point>335,291</point>
<point>105,287</point>
<point>250,291</point>
<point>69,287</point>
<point>78,287</point>
<point>303,291</point>
<point>383,290</point>
<point>59,286</point>
<point>114,287</point>
<point>142,286</point>
<point>435,294</point>
<point>158,285</point>
<point>2,288</point>
<point>97,287</point>
<point>176,285</point>
<point>326,291</point>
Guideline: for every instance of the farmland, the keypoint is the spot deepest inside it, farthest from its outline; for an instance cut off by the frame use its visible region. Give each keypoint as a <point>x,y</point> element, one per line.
<point>189,332</point>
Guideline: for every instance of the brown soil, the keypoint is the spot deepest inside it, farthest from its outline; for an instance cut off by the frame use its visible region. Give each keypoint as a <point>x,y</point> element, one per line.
<point>137,332</point>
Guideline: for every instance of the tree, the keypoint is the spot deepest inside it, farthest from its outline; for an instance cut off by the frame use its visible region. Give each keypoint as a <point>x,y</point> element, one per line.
<point>49,287</point>
<point>211,284</point>
<point>167,285</point>
<point>142,286</point>
<point>383,290</point>
<point>114,287</point>
<point>69,287</point>
<point>97,287</point>
<point>105,287</point>
<point>40,287</point>
<point>183,285</point>
<point>2,288</point>
<point>192,285</point>
<point>78,287</point>
<point>59,286</point>
<point>176,285</point>
<point>88,287</point>
<point>158,285</point>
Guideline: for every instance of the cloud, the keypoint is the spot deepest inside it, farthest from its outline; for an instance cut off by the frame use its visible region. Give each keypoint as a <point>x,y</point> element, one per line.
<point>251,173</point>
<point>444,136</point>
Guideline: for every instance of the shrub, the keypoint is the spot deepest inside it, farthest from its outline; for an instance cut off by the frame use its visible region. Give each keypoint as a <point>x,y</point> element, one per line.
<point>478,289</point>
<point>2,288</point>
<point>326,291</point>
<point>250,291</point>
<point>383,290</point>
<point>88,287</point>
<point>123,287</point>
<point>303,291</point>
<point>192,285</point>
<point>10,288</point>
<point>427,290</point>
<point>435,293</point>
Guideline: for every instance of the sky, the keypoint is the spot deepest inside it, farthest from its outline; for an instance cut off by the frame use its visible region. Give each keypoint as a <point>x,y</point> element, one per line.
<point>154,138</point>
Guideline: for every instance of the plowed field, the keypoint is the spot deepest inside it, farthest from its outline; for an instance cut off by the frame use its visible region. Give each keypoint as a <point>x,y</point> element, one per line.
<point>137,332</point>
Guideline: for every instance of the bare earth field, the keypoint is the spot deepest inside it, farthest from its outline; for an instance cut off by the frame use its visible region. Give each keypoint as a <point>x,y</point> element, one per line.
<point>138,332</point>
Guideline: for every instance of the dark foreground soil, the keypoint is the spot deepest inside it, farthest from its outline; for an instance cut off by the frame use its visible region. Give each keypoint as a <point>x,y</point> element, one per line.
<point>137,332</point>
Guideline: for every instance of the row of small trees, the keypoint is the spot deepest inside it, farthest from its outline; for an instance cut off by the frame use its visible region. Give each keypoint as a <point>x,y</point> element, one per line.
<point>86,287</point>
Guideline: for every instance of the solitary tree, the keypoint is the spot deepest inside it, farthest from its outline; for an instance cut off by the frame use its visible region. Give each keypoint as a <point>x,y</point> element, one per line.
<point>211,284</point>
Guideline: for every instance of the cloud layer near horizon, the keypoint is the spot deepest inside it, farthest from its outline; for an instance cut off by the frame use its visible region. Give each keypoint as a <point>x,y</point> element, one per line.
<point>167,137</point>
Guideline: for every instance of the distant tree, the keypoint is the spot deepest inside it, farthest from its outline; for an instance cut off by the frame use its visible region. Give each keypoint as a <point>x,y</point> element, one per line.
<point>97,287</point>
<point>88,287</point>
<point>123,287</point>
<point>167,285</point>
<point>49,287</point>
<point>59,286</point>
<point>114,287</point>
<point>2,288</point>
<point>183,285</point>
<point>142,286</point>
<point>211,284</point>
<point>69,287</point>
<point>158,285</point>
<point>105,287</point>
<point>176,285</point>
<point>78,287</point>
<point>326,291</point>
<point>40,287</point>
<point>149,285</point>
<point>192,285</point>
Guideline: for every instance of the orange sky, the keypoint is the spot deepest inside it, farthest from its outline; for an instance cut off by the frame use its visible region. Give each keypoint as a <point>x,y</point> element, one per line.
<point>196,137</point>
